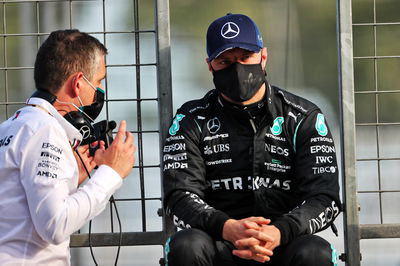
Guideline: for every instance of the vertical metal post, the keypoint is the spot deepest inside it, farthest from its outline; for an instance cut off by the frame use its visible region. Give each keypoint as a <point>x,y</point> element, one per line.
<point>164,85</point>
<point>348,130</point>
<point>139,111</point>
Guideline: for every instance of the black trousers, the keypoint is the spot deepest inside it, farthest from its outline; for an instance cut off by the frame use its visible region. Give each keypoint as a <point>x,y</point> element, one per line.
<point>193,247</point>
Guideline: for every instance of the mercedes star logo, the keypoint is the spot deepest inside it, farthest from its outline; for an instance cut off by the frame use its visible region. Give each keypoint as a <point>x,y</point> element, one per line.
<point>85,131</point>
<point>230,30</point>
<point>213,125</point>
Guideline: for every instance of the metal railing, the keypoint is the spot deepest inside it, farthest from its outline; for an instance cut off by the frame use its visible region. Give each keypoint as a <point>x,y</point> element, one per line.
<point>14,73</point>
<point>15,87</point>
<point>363,112</point>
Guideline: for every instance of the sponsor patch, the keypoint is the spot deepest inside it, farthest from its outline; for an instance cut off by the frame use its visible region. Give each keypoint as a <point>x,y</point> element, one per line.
<point>175,124</point>
<point>321,139</point>
<point>293,116</point>
<point>179,223</point>
<point>175,165</point>
<point>175,147</point>
<point>213,125</point>
<point>323,218</point>
<point>177,137</point>
<point>292,104</point>
<point>320,125</point>
<point>276,128</point>
<point>212,149</point>
<point>46,145</point>
<point>49,155</point>
<point>16,115</point>
<point>276,150</point>
<point>5,140</point>
<point>324,170</point>
<point>48,165</point>
<point>269,135</point>
<point>198,200</point>
<point>175,157</point>
<point>222,161</point>
<point>323,159</point>
<point>270,183</point>
<point>230,183</point>
<point>47,174</point>
<point>222,136</point>
<point>199,108</point>
<point>277,167</point>
<point>322,148</point>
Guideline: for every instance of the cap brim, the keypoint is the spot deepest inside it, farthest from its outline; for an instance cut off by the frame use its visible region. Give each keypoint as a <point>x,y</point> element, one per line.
<point>246,46</point>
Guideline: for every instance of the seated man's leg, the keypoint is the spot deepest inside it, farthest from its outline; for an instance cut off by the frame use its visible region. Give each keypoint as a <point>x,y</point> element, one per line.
<point>307,250</point>
<point>194,247</point>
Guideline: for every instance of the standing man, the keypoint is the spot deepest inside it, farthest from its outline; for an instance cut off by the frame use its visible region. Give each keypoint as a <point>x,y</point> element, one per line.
<point>40,202</point>
<point>250,170</point>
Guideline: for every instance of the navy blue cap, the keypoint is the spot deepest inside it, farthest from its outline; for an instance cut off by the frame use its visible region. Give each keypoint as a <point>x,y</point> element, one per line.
<point>232,31</point>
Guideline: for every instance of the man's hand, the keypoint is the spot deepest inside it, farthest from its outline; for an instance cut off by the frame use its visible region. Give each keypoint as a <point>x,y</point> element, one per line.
<point>249,248</point>
<point>248,230</point>
<point>275,233</point>
<point>86,161</point>
<point>120,154</point>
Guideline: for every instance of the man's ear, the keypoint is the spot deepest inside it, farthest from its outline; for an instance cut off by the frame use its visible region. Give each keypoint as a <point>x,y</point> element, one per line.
<point>264,56</point>
<point>76,83</point>
<point>209,65</point>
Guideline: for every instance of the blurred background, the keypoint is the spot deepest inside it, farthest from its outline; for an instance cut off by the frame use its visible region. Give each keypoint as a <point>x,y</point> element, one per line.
<point>302,57</point>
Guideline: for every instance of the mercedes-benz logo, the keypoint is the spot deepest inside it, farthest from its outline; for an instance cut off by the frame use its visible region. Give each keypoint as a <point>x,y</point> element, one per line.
<point>230,30</point>
<point>85,131</point>
<point>213,125</point>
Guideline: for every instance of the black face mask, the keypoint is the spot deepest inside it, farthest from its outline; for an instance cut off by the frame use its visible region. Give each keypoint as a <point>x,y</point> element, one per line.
<point>95,108</point>
<point>239,82</point>
<point>83,119</point>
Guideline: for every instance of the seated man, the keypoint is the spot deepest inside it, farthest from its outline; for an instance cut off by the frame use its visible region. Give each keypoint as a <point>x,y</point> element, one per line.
<point>250,170</point>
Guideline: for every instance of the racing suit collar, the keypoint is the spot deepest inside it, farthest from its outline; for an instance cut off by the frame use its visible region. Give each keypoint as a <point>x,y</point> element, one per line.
<point>253,108</point>
<point>74,137</point>
<point>260,112</point>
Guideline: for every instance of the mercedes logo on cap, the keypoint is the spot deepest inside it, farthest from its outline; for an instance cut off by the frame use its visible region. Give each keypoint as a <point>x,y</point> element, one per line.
<point>85,131</point>
<point>213,125</point>
<point>230,30</point>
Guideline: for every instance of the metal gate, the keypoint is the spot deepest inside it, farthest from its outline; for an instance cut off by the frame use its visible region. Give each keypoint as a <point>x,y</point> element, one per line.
<point>144,97</point>
<point>148,107</point>
<point>369,65</point>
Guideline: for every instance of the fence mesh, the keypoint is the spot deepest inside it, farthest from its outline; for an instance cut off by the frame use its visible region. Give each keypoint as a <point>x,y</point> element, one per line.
<point>135,69</point>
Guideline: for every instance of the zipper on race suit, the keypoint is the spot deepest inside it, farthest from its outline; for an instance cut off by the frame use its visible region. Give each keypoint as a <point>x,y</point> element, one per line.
<point>253,125</point>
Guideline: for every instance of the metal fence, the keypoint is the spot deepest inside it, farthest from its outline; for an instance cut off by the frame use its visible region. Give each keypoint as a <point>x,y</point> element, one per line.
<point>369,64</point>
<point>139,52</point>
<point>368,107</point>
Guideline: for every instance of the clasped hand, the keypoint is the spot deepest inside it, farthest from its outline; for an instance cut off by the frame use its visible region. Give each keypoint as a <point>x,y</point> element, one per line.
<point>253,238</point>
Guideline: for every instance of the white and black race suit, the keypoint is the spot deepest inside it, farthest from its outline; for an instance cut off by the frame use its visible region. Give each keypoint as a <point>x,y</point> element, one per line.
<point>275,160</point>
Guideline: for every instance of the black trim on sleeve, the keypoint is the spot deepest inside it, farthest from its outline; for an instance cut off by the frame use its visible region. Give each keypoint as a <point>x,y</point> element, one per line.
<point>289,229</point>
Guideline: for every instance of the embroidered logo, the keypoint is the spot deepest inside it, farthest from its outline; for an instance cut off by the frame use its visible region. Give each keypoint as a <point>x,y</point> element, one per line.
<point>175,124</point>
<point>320,126</point>
<point>276,128</point>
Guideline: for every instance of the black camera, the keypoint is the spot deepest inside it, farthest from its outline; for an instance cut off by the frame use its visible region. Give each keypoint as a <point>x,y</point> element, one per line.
<point>102,131</point>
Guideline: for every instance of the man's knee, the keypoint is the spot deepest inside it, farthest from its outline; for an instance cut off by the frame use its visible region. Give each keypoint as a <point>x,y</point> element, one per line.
<point>312,250</point>
<point>190,247</point>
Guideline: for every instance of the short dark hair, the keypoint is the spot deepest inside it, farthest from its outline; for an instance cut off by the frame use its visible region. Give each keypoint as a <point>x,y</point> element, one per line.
<point>63,53</point>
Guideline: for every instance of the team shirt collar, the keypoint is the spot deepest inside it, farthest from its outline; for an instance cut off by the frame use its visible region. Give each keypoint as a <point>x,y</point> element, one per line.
<point>74,137</point>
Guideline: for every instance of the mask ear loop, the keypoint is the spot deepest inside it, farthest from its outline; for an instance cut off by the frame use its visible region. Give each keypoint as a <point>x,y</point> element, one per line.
<point>265,69</point>
<point>79,109</point>
<point>80,101</point>
<point>90,83</point>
